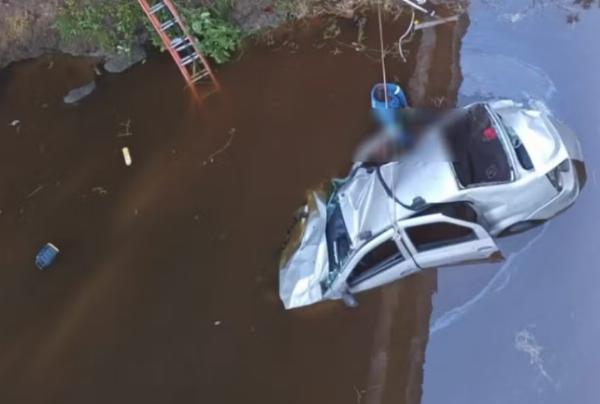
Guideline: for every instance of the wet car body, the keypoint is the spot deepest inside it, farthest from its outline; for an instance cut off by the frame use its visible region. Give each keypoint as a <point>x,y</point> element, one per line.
<point>487,169</point>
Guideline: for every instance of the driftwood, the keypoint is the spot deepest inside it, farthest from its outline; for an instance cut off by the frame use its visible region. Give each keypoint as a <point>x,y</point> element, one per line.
<point>429,24</point>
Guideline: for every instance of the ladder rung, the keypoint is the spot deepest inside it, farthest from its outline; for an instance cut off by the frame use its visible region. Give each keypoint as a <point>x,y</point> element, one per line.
<point>157,7</point>
<point>166,25</point>
<point>177,41</point>
<point>189,59</point>
<point>184,46</point>
<point>200,75</point>
<point>163,15</point>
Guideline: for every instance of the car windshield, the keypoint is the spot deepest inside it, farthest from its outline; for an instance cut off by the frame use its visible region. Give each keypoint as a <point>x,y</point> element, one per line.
<point>338,240</point>
<point>517,145</point>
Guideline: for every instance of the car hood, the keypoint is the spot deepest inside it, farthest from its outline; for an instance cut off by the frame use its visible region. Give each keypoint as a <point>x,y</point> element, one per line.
<point>537,130</point>
<point>305,260</point>
<point>568,138</point>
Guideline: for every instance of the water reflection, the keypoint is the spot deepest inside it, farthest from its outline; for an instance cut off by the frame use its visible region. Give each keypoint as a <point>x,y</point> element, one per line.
<point>529,337</point>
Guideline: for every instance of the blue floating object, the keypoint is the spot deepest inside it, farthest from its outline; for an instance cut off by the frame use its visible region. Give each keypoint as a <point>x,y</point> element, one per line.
<point>386,115</point>
<point>46,256</point>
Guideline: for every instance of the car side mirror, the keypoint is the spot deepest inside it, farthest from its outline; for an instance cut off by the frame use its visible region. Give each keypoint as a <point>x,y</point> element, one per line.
<point>348,299</point>
<point>418,203</point>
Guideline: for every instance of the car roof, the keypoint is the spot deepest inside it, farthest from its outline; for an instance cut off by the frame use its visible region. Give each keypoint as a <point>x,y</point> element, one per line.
<point>374,197</point>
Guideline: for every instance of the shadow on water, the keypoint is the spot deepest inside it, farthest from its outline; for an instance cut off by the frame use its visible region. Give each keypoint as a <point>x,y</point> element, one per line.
<point>166,289</point>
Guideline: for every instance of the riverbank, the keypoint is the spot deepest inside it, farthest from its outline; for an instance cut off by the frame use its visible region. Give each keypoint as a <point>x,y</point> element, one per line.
<point>116,29</point>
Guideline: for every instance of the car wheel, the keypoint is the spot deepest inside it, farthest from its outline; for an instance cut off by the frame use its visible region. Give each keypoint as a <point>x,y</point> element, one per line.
<point>520,227</point>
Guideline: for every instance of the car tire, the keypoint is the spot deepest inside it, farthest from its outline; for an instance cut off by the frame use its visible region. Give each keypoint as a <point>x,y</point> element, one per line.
<point>520,227</point>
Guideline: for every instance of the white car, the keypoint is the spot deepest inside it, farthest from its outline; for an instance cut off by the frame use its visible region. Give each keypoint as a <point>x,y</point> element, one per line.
<point>487,169</point>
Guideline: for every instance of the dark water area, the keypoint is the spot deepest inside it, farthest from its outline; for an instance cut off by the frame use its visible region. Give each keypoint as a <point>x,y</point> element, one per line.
<point>166,286</point>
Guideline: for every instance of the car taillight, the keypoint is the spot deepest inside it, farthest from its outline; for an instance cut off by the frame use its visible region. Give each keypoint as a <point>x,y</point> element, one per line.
<point>581,173</point>
<point>554,175</point>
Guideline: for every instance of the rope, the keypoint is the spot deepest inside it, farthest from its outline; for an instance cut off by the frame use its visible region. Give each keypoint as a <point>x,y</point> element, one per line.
<point>385,94</point>
<point>393,205</point>
<point>408,30</point>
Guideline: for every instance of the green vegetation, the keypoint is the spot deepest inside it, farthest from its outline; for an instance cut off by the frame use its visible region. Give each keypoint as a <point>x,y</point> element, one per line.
<point>112,25</point>
<point>217,37</point>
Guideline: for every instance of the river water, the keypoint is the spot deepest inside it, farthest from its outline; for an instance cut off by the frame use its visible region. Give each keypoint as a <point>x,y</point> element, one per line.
<point>166,288</point>
<point>525,331</point>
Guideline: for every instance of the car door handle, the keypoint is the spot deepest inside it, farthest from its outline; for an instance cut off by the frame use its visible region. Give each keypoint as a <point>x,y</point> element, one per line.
<point>485,248</point>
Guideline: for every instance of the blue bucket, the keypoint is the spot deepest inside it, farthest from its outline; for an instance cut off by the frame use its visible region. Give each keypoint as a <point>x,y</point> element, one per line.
<point>386,116</point>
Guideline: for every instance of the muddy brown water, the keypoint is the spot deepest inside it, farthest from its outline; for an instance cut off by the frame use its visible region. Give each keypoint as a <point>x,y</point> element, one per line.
<point>166,286</point>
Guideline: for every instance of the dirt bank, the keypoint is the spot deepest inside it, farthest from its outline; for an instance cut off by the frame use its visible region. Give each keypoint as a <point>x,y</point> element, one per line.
<point>28,28</point>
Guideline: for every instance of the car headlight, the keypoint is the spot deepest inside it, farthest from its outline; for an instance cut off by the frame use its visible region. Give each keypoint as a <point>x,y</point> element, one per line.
<point>554,175</point>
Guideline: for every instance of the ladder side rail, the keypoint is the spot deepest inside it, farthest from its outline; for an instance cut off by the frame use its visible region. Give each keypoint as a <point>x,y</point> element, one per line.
<point>165,39</point>
<point>175,13</point>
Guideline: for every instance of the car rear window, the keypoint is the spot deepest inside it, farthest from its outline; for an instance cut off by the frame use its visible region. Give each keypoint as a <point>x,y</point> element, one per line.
<point>478,156</point>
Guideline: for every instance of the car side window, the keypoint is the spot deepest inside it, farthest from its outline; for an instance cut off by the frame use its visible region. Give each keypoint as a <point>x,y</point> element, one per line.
<point>434,235</point>
<point>375,261</point>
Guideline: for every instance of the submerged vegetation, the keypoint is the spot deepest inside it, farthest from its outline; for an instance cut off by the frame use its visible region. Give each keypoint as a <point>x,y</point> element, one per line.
<point>115,26</point>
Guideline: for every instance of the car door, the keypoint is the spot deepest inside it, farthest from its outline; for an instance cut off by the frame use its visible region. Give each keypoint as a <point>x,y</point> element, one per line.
<point>382,260</point>
<point>436,240</point>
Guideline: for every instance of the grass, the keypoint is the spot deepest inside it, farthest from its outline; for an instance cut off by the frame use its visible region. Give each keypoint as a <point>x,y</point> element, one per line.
<point>115,26</point>
<point>111,25</point>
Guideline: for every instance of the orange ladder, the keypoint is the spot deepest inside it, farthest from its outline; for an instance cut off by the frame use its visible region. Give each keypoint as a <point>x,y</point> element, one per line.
<point>177,40</point>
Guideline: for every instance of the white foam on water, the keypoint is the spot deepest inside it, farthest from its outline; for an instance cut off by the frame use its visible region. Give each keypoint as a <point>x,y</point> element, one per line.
<point>526,342</point>
<point>487,75</point>
<point>496,284</point>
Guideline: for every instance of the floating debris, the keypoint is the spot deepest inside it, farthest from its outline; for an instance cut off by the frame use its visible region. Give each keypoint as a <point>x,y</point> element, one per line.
<point>80,93</point>
<point>46,256</point>
<point>100,191</point>
<point>525,342</point>
<point>211,158</point>
<point>126,129</point>
<point>126,156</point>
<point>35,191</point>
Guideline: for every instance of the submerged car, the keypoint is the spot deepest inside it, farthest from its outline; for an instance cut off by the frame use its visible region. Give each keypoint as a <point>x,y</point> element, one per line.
<point>485,170</point>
